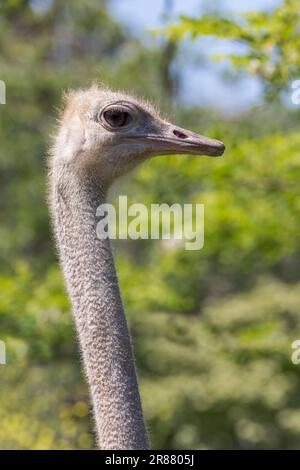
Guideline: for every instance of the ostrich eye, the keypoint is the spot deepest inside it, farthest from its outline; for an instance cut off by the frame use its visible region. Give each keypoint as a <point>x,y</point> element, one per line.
<point>116,118</point>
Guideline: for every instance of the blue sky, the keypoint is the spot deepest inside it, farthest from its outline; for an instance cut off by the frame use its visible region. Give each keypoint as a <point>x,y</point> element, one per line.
<point>204,85</point>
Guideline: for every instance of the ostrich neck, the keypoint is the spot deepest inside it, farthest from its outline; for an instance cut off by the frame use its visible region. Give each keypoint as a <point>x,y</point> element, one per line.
<point>92,285</point>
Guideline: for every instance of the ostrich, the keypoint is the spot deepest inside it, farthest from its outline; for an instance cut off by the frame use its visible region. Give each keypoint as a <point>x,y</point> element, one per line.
<point>102,135</point>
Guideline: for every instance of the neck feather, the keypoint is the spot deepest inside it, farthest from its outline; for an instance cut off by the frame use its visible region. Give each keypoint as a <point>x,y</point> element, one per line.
<point>92,285</point>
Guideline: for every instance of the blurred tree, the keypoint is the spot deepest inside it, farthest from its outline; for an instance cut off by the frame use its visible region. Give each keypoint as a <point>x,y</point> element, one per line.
<point>270,40</point>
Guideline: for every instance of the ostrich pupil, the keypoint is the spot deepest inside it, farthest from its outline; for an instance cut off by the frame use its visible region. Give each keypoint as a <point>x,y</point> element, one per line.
<point>117,118</point>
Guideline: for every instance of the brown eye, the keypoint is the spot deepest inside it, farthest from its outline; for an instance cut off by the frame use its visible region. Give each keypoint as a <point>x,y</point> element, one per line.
<point>117,118</point>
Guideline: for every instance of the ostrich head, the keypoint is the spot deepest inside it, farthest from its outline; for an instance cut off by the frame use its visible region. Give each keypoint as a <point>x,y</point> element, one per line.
<point>110,133</point>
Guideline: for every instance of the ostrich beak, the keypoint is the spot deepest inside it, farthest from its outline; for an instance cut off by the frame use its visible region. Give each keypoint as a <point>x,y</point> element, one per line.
<point>172,140</point>
<point>175,140</point>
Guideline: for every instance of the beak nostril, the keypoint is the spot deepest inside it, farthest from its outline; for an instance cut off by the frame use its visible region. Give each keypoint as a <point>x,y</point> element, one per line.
<point>179,134</point>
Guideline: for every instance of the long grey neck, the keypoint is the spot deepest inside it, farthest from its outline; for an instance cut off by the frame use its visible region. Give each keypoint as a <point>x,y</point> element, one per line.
<point>92,285</point>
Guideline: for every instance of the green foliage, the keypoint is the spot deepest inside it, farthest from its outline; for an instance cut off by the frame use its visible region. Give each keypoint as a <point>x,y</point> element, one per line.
<point>44,407</point>
<point>225,379</point>
<point>270,38</point>
<point>44,403</point>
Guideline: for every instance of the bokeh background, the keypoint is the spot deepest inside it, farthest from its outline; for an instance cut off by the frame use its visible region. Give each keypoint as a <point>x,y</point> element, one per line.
<point>213,329</point>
